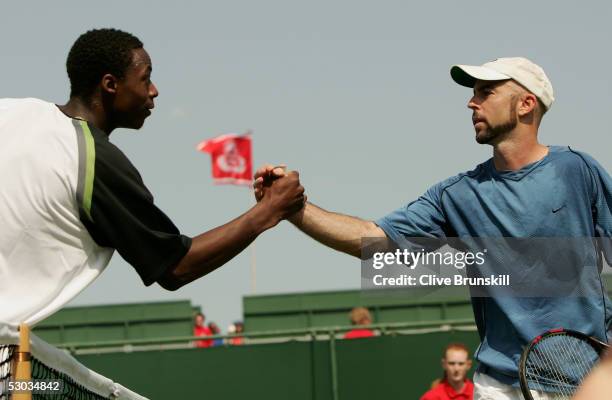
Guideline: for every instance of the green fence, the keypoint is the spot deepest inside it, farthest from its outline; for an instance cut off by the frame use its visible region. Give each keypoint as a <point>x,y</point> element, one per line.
<point>118,322</point>
<point>261,313</point>
<point>392,366</point>
<point>316,309</point>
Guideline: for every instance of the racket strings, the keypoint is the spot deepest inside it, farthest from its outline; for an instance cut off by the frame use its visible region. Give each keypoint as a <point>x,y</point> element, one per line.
<point>557,365</point>
<point>566,366</point>
<point>546,374</point>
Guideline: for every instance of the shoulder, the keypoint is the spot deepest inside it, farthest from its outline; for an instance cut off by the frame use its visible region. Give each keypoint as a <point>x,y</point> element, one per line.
<point>455,182</point>
<point>28,111</point>
<point>436,393</point>
<point>567,154</point>
<point>6,103</point>
<point>589,160</point>
<point>109,158</point>
<point>38,134</point>
<point>103,144</point>
<point>576,162</point>
<point>358,333</point>
<point>38,122</point>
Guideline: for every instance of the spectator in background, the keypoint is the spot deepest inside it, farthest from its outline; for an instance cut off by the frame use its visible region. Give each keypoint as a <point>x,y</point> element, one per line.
<point>454,383</point>
<point>215,330</point>
<point>199,329</point>
<point>360,317</point>
<point>236,328</point>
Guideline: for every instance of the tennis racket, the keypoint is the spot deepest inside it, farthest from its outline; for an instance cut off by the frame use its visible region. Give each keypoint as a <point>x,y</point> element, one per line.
<point>557,362</point>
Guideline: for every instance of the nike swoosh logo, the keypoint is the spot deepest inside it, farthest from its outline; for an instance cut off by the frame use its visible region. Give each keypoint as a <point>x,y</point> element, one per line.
<point>557,209</point>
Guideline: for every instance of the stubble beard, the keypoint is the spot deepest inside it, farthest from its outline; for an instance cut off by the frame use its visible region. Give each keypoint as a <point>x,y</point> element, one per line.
<point>495,133</point>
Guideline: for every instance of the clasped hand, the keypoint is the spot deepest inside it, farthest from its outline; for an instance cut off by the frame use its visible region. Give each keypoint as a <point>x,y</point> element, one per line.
<point>280,189</point>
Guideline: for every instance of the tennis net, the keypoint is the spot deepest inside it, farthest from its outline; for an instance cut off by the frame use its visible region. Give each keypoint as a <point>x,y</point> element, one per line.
<point>6,355</point>
<point>60,376</point>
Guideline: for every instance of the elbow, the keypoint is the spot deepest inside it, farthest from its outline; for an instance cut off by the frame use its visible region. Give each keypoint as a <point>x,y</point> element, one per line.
<point>169,285</point>
<point>176,276</point>
<point>170,281</point>
<point>355,252</point>
<point>373,239</point>
<point>181,274</point>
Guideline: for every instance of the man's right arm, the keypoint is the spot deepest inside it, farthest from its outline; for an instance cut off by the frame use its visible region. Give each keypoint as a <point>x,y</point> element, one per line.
<point>119,212</point>
<point>338,231</point>
<point>214,248</point>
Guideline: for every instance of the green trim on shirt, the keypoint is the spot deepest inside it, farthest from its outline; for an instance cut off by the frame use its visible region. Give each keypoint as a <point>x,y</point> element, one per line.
<point>90,164</point>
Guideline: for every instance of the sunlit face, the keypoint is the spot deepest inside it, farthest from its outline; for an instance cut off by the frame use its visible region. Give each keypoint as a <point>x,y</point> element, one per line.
<point>493,108</point>
<point>199,320</point>
<point>135,92</point>
<point>456,364</point>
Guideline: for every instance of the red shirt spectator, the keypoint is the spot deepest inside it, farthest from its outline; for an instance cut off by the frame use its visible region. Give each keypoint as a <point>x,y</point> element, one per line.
<point>202,331</point>
<point>359,316</point>
<point>237,328</point>
<point>444,391</point>
<point>199,329</point>
<point>454,385</point>
<point>237,341</point>
<point>358,333</point>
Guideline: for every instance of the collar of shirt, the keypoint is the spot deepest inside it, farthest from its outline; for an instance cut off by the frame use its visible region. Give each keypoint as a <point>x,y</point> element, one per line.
<point>466,393</point>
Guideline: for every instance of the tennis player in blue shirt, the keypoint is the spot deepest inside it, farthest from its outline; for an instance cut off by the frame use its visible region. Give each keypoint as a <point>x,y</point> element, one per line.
<point>526,190</point>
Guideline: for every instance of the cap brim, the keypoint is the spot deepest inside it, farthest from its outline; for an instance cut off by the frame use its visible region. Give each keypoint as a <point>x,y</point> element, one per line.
<point>467,75</point>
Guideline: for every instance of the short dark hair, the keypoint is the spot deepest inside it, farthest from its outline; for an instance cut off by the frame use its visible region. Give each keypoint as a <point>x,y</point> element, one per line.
<point>98,52</point>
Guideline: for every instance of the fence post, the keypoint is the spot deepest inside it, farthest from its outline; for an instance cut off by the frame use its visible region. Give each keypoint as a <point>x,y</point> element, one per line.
<point>23,363</point>
<point>334,364</point>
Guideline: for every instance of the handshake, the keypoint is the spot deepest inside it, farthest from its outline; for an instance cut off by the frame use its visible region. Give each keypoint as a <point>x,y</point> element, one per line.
<point>279,192</point>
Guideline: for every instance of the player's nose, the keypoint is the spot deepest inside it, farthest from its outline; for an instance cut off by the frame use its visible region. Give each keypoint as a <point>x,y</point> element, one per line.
<point>472,105</point>
<point>153,92</point>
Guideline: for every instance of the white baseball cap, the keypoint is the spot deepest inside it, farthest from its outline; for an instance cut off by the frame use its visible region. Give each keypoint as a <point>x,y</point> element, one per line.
<point>520,69</point>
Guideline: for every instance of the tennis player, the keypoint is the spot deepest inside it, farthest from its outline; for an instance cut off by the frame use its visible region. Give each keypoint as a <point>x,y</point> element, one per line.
<point>527,189</point>
<point>69,197</point>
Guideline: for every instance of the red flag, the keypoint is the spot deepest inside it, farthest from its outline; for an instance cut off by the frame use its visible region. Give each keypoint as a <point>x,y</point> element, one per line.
<point>231,158</point>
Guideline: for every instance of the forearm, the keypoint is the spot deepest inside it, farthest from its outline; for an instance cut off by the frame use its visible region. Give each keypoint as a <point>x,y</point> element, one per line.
<point>340,232</point>
<point>212,249</point>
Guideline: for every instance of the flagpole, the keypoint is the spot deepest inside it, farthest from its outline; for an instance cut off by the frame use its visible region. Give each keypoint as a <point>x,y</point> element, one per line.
<point>253,269</point>
<point>254,265</point>
<point>249,132</point>
<point>225,152</point>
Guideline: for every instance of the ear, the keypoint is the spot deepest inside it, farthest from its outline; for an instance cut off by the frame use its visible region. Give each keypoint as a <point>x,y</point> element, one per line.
<point>527,104</point>
<point>109,84</point>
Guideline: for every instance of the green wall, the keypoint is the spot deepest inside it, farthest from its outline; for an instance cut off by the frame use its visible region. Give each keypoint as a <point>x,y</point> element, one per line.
<point>319,309</point>
<point>118,322</point>
<point>385,367</point>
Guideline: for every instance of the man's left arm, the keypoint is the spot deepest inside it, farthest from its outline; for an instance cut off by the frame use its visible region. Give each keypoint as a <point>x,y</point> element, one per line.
<point>602,209</point>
